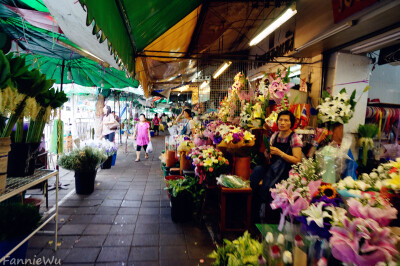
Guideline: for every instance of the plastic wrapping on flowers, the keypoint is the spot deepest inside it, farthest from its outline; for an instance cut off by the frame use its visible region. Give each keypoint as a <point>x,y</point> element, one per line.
<point>232,181</point>
<point>108,147</point>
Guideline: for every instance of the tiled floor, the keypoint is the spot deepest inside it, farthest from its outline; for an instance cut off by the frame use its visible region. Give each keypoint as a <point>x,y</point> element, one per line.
<point>125,221</point>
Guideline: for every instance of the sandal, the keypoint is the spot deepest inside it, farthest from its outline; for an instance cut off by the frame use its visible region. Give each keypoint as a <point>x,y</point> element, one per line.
<point>146,156</point>
<point>137,160</point>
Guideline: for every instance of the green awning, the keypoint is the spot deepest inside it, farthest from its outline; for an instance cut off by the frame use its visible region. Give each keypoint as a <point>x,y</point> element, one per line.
<point>83,71</point>
<point>130,25</point>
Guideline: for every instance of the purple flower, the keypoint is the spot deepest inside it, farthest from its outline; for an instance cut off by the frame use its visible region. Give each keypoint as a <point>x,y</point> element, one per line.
<point>217,139</point>
<point>186,138</point>
<point>314,229</point>
<point>236,137</point>
<point>329,202</point>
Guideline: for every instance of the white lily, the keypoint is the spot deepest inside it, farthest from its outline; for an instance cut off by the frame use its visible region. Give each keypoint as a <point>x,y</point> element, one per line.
<point>316,214</point>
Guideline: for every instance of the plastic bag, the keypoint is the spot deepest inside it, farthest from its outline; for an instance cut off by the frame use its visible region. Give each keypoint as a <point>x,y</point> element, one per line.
<point>162,128</point>
<point>149,148</point>
<point>134,144</point>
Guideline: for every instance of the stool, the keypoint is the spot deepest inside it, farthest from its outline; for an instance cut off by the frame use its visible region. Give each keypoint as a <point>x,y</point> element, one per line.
<point>224,192</point>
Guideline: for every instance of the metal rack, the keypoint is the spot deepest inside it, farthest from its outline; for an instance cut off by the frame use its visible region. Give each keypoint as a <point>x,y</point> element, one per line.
<point>17,185</point>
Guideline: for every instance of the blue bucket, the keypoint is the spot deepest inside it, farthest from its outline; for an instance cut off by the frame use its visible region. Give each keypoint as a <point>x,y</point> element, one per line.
<point>20,253</point>
<point>151,133</point>
<point>114,159</point>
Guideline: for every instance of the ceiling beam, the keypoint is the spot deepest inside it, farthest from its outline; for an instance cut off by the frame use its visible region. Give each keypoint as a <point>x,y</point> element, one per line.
<point>199,26</point>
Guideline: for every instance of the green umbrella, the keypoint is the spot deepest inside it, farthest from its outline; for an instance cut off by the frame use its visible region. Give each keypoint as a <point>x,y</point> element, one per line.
<point>82,71</point>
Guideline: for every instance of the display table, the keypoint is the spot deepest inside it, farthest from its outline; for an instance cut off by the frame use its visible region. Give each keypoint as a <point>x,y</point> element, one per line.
<point>17,185</point>
<point>224,193</point>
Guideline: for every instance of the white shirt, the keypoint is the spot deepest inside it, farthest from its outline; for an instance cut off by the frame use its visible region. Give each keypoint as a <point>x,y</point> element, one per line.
<point>106,128</point>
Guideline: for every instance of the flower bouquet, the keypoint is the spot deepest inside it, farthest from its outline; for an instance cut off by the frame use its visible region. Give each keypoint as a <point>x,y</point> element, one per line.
<point>211,131</point>
<point>372,206</point>
<point>108,147</point>
<point>236,138</point>
<point>366,134</point>
<point>274,250</point>
<point>209,163</point>
<point>338,108</point>
<point>362,242</point>
<point>294,194</point>
<point>276,85</point>
<point>323,212</point>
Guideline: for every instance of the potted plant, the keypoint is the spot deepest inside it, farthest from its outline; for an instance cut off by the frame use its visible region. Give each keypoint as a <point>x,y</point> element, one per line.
<point>84,162</point>
<point>16,222</point>
<point>186,197</point>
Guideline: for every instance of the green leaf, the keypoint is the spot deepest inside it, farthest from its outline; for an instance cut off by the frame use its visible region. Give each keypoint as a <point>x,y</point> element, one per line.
<point>325,94</point>
<point>342,90</point>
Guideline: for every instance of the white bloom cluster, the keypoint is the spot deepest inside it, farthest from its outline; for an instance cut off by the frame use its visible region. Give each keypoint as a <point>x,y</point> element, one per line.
<point>336,109</point>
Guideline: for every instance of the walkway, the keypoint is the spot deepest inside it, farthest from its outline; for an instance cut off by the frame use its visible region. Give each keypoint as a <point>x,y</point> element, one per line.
<point>126,221</point>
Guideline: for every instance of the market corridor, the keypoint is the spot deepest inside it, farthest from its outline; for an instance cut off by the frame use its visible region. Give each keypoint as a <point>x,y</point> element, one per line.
<point>125,221</point>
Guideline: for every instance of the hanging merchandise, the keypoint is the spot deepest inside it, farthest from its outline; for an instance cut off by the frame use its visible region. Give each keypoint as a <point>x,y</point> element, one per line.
<point>57,143</point>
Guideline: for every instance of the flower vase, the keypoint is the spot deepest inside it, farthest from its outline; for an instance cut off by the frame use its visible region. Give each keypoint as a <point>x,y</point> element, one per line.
<point>337,133</point>
<point>242,167</point>
<point>185,163</point>
<point>259,134</point>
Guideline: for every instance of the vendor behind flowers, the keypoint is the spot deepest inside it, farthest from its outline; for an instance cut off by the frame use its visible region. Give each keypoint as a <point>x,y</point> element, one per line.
<point>284,152</point>
<point>188,128</point>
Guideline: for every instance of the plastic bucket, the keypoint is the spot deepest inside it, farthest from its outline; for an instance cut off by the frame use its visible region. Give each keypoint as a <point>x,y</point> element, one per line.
<point>84,182</point>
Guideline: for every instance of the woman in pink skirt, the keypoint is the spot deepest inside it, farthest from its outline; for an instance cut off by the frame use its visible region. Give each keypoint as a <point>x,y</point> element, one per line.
<point>142,136</point>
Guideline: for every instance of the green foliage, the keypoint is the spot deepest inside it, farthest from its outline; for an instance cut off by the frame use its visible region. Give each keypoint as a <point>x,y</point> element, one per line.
<point>368,130</point>
<point>17,220</point>
<point>242,251</point>
<point>86,159</point>
<point>325,94</point>
<point>352,97</point>
<point>4,70</point>
<point>189,185</point>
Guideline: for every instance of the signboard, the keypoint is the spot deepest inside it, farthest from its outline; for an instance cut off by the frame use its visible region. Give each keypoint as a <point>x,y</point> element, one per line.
<point>345,8</point>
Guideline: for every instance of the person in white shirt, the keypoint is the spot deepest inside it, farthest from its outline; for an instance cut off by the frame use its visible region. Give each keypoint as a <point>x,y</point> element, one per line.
<point>108,124</point>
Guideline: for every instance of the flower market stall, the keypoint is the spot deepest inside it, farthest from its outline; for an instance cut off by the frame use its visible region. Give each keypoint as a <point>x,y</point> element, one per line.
<point>332,210</point>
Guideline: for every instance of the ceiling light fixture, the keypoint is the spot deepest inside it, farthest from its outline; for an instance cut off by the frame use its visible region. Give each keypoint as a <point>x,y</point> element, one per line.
<point>375,44</point>
<point>221,69</point>
<point>290,12</point>
<point>257,77</point>
<point>326,35</point>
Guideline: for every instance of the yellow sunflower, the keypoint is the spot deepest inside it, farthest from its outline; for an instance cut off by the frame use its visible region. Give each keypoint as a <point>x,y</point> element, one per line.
<point>328,191</point>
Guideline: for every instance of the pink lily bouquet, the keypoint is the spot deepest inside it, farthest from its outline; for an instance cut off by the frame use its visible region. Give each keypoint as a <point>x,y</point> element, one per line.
<point>277,85</point>
<point>363,242</point>
<point>372,206</point>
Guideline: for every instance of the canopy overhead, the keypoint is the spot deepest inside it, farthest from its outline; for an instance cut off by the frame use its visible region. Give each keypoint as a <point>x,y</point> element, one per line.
<point>130,26</point>
<point>36,32</point>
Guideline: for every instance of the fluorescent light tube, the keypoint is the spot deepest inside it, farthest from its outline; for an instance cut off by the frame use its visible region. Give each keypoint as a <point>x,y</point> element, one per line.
<point>290,12</point>
<point>203,84</point>
<point>293,74</point>
<point>221,69</point>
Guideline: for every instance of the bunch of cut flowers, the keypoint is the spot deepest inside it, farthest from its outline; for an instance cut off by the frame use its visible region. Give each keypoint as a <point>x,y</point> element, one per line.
<point>209,162</point>
<point>294,194</point>
<point>276,85</point>
<point>338,108</point>
<point>236,137</point>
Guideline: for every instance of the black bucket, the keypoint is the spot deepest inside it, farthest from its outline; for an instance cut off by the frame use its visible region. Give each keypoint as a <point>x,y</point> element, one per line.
<point>107,164</point>
<point>21,159</point>
<point>84,182</point>
<point>181,207</point>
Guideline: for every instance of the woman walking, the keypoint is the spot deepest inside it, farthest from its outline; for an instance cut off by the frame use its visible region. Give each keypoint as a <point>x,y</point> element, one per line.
<point>156,123</point>
<point>142,136</point>
<point>109,124</point>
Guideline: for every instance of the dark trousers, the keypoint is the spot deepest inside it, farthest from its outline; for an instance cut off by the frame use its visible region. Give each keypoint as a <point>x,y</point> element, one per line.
<point>261,197</point>
<point>110,136</point>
